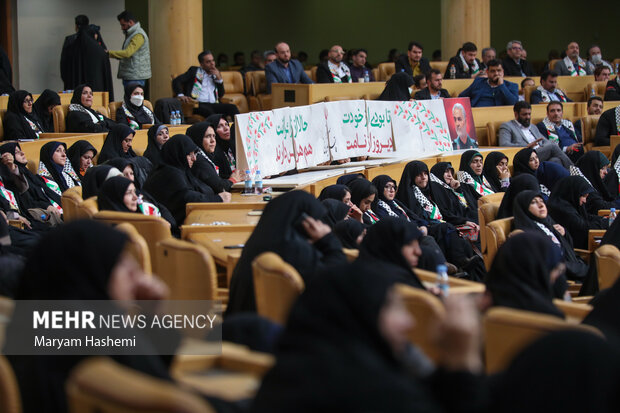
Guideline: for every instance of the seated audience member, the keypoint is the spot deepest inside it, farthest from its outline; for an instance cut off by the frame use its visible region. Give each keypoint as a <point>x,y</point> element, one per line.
<point>95,177</point>
<point>464,63</point>
<point>572,64</point>
<point>527,82</point>
<point>82,117</point>
<point>133,112</point>
<point>269,56</point>
<point>548,91</point>
<point>291,227</point>
<point>350,233</point>
<point>471,177</point>
<point>37,195</point>
<point>612,91</point>
<point>526,161</point>
<point>462,141</point>
<point>524,272</point>
<point>356,316</point>
<point>398,88</point>
<point>433,89</point>
<point>608,124</point>
<point>284,69</point>
<point>492,91</point>
<point>594,107</point>
<point>224,154</point>
<point>20,122</point>
<point>256,63</point>
<point>43,108</point>
<point>205,169</point>
<point>561,131</point>
<point>81,155</point>
<point>612,180</point>
<point>520,132</point>
<point>448,195</point>
<point>55,169</point>
<point>488,54</point>
<point>518,184</point>
<point>495,170</point>
<point>567,208</point>
<point>413,63</point>
<point>419,82</point>
<point>118,145</point>
<point>99,269</point>
<point>593,166</point>
<point>118,194</point>
<point>359,69</point>
<point>337,211</point>
<point>339,192</point>
<point>515,64</point>
<point>595,59</point>
<point>363,194</point>
<point>541,368</point>
<point>590,285</point>
<point>334,70</point>
<point>173,183</point>
<point>205,85</point>
<point>530,214</point>
<point>602,74</point>
<point>157,135</point>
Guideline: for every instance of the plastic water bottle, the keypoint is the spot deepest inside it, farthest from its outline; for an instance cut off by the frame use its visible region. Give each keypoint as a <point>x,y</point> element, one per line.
<point>178,117</point>
<point>366,76</point>
<point>442,279</point>
<point>612,216</point>
<point>258,183</point>
<point>173,115</point>
<point>452,72</point>
<point>247,189</point>
<point>593,92</point>
<point>617,64</point>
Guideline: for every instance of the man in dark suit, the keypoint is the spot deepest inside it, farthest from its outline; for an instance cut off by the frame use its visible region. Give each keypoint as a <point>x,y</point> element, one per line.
<point>464,64</point>
<point>612,91</point>
<point>205,85</point>
<point>608,124</point>
<point>548,90</point>
<point>413,63</point>
<point>284,69</point>
<point>334,70</point>
<point>433,89</point>
<point>514,64</point>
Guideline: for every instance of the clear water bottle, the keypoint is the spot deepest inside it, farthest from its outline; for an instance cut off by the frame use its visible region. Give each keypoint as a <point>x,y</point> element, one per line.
<point>173,116</point>
<point>366,76</point>
<point>593,92</point>
<point>442,280</point>
<point>258,183</point>
<point>179,121</point>
<point>247,189</point>
<point>452,72</point>
<point>612,216</point>
<point>617,64</point>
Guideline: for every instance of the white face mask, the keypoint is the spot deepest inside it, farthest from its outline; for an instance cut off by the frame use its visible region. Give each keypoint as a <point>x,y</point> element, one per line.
<point>410,90</point>
<point>136,100</point>
<point>597,58</point>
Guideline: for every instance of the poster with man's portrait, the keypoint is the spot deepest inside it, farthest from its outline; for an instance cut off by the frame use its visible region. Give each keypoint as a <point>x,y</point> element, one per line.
<point>461,123</point>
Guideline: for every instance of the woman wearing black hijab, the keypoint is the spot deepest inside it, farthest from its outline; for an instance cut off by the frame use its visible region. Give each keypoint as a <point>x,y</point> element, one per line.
<point>95,177</point>
<point>363,194</point>
<point>530,214</point>
<point>347,332</point>
<point>338,192</point>
<point>495,170</point>
<point>157,135</point>
<point>82,117</point>
<point>20,122</point>
<point>397,88</point>
<point>446,191</point>
<point>567,207</point>
<point>118,194</point>
<point>55,168</point>
<point>546,173</point>
<point>337,211</point>
<point>593,166</point>
<point>173,183</point>
<point>38,194</point>
<point>94,272</point>
<point>470,175</point>
<point>523,273</point>
<point>350,233</point>
<point>43,107</point>
<point>612,180</point>
<point>224,154</point>
<point>81,155</point>
<point>118,145</point>
<point>133,112</point>
<point>282,229</point>
<point>204,136</point>
<point>518,184</point>
<point>546,382</point>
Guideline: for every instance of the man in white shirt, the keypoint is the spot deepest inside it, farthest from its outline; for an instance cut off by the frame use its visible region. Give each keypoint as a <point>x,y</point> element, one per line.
<point>205,85</point>
<point>520,132</point>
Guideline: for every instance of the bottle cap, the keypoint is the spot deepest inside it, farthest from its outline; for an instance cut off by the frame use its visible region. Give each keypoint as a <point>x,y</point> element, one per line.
<point>442,268</point>
<point>612,210</point>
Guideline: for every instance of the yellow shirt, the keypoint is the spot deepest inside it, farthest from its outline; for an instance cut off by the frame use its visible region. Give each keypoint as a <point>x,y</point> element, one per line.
<point>135,43</point>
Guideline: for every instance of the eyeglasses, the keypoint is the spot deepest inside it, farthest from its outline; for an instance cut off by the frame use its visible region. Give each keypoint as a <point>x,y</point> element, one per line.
<point>28,101</point>
<point>391,187</point>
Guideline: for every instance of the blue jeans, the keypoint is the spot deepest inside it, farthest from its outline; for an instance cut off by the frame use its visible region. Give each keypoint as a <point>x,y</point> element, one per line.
<point>130,82</point>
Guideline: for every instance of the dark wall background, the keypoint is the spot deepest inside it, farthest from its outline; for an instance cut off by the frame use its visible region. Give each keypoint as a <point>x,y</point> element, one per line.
<point>245,25</point>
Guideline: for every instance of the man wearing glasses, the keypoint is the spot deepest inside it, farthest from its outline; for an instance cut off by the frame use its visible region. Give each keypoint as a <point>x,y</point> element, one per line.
<point>515,64</point>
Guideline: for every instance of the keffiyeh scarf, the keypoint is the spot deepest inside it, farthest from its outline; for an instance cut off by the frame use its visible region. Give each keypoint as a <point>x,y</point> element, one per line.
<point>460,196</point>
<point>481,189</point>
<point>581,66</point>
<point>474,67</point>
<point>551,132</point>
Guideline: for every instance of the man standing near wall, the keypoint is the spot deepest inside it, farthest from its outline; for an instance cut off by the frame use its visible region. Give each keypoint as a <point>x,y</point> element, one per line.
<point>135,58</point>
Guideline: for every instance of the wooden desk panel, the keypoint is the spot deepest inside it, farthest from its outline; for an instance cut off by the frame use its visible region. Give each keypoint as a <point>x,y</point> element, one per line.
<point>231,216</point>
